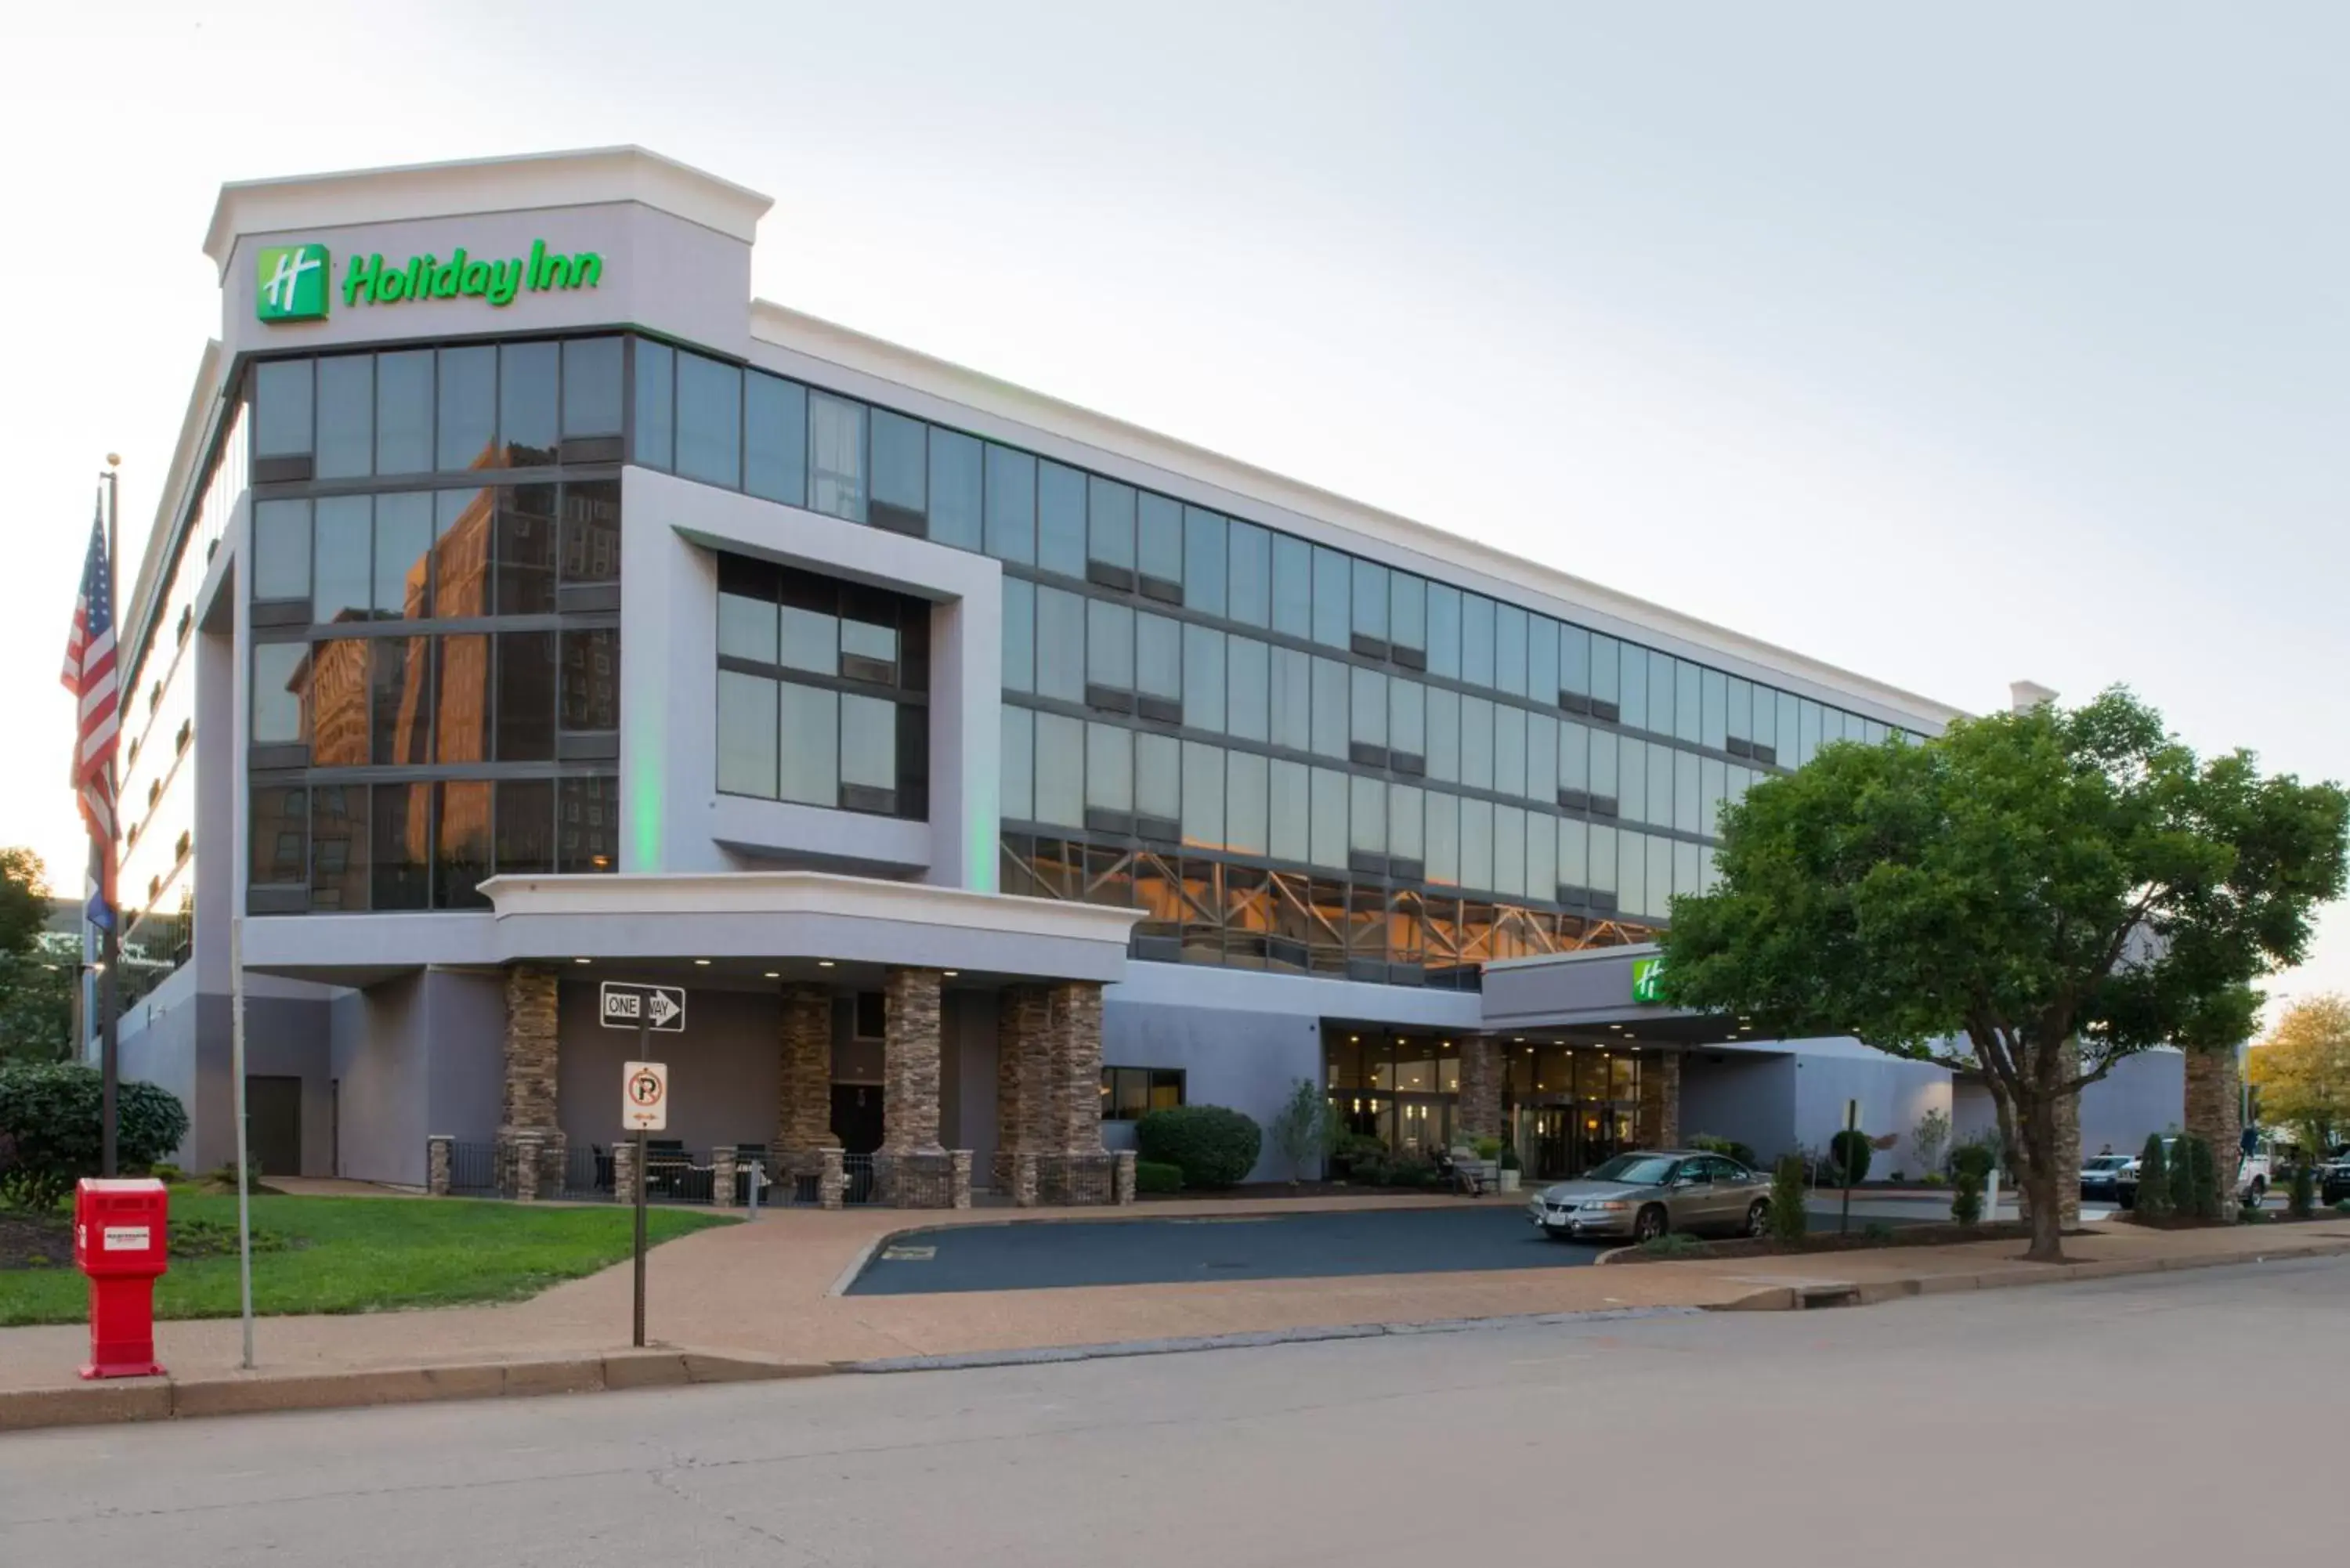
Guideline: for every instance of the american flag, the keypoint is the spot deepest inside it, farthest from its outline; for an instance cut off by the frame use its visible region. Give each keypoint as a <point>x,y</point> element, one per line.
<point>89,675</point>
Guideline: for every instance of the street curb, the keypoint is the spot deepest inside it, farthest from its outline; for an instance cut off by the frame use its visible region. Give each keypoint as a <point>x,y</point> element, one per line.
<point>168,1399</point>
<point>1113,1350</point>
<point>1813,1295</point>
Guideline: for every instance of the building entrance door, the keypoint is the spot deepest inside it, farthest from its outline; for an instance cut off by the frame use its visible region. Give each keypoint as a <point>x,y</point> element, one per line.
<point>273,1124</point>
<point>857,1117</point>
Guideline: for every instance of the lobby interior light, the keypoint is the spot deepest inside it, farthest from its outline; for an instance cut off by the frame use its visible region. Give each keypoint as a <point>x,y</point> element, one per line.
<point>579,961</point>
<point>701,963</point>
<point>775,974</point>
<point>823,963</point>
<point>951,973</point>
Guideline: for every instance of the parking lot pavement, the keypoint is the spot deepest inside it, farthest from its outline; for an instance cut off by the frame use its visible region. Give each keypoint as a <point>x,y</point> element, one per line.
<point>1174,1249</point>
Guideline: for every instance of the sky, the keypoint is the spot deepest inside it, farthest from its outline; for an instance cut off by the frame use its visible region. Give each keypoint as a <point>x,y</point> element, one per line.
<point>1955,346</point>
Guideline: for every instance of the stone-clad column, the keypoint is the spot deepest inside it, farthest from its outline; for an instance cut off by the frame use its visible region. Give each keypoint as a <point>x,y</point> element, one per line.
<point>2213,1112</point>
<point>531,1056</point>
<point>909,1062</point>
<point>803,1096</point>
<point>1658,1122</point>
<point>1023,1024</point>
<point>1073,1088</point>
<point>1481,1087</point>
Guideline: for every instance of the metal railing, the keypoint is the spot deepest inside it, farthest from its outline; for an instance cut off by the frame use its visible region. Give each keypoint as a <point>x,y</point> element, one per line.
<point>587,1174</point>
<point>474,1171</point>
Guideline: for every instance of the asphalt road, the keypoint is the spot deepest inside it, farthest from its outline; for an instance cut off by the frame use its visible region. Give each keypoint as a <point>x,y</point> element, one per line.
<point>2023,1425</point>
<point>1170,1248</point>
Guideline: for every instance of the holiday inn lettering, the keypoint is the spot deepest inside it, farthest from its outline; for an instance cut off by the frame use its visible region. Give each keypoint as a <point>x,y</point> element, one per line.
<point>291,279</point>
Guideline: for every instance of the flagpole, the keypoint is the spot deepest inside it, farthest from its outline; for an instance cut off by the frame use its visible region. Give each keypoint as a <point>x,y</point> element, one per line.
<point>110,993</point>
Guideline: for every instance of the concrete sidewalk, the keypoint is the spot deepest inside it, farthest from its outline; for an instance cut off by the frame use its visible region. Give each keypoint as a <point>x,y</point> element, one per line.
<point>759,1299</point>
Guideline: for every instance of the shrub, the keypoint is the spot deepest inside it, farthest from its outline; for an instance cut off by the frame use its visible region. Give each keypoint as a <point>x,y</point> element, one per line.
<point>2154,1181</point>
<point>164,1170</point>
<point>1728,1147</point>
<point>1848,1155</point>
<point>1977,1160</point>
<point>1356,1154</point>
<point>49,1116</point>
<point>1788,1220</point>
<point>1510,1158</point>
<point>1486,1148</point>
<point>2301,1196</point>
<point>1302,1129</point>
<point>1407,1170</point>
<point>1935,1179</point>
<point>2195,1180</point>
<point>1212,1146</point>
<point>1672,1244</point>
<point>1930,1136</point>
<point>2342,1206</point>
<point>1149,1176</point>
<point>1967,1197</point>
<point>1876,1231</point>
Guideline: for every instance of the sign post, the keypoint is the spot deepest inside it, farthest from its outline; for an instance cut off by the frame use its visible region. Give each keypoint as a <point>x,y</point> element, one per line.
<point>644,1107</point>
<point>644,1085</point>
<point>1852,1134</point>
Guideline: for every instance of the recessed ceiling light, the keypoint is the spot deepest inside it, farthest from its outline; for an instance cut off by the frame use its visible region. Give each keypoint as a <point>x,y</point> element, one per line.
<point>951,973</point>
<point>775,974</point>
<point>578,960</point>
<point>823,963</point>
<point>701,963</point>
<point>1354,1040</point>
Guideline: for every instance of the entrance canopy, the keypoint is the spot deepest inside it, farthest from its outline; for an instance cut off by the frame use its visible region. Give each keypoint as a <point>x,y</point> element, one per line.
<point>1592,997</point>
<point>735,926</point>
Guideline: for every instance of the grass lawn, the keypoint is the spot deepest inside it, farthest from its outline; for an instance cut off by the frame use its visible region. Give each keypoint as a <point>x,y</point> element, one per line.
<point>366,1255</point>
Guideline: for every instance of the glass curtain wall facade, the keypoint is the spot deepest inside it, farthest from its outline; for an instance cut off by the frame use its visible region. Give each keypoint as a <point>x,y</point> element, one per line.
<point>434,588</point>
<point>1289,756</point>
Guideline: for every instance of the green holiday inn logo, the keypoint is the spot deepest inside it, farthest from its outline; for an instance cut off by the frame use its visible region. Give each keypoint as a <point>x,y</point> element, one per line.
<point>292,281</point>
<point>1646,975</point>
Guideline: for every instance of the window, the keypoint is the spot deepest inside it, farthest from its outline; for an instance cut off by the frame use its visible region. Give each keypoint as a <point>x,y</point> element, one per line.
<point>530,393</point>
<point>1510,633</point>
<point>901,473</point>
<point>1204,565</point>
<point>1476,640</point>
<point>1010,522</point>
<point>1060,645</point>
<point>281,550</point>
<point>1109,533</point>
<point>281,409</point>
<point>341,555</point>
<point>1408,618</point>
<point>1159,548</point>
<point>1019,759</point>
<point>775,438</point>
<point>1060,520</point>
<point>1130,1093</point>
<point>345,419</point>
<point>957,489</point>
<point>281,673</point>
<point>1333,597</point>
<point>1248,674</point>
<point>709,421</point>
<point>1019,635</point>
<point>468,409</point>
<point>591,388</point>
<point>818,691</point>
<point>836,457</point>
<point>1250,559</point>
<point>1204,678</point>
<point>1293,586</point>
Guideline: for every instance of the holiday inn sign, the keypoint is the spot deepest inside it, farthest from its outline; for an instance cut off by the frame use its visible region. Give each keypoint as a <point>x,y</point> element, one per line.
<point>292,283</point>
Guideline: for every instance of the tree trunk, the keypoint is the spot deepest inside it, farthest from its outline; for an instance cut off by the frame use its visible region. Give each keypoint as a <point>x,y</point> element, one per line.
<point>2213,1113</point>
<point>2040,1198</point>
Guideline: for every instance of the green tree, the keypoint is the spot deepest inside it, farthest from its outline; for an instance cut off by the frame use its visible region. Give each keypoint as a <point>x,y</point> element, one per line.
<point>37,1000</point>
<point>2302,1071</point>
<point>23,899</point>
<point>2034,896</point>
<point>1304,1128</point>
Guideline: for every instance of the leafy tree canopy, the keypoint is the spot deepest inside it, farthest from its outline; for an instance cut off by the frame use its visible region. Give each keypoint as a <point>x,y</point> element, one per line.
<point>2020,883</point>
<point>2302,1070</point>
<point>23,899</point>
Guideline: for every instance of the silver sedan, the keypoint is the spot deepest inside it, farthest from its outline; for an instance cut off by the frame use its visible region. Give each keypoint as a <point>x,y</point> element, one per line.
<point>1642,1196</point>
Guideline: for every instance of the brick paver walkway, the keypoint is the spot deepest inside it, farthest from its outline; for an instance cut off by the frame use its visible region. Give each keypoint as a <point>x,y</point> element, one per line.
<point>766,1289</point>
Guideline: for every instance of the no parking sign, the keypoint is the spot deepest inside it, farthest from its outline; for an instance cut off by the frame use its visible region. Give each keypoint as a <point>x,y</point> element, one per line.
<point>644,1096</point>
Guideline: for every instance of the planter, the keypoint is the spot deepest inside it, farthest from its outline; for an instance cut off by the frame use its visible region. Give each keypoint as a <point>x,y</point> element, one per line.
<point>1510,1179</point>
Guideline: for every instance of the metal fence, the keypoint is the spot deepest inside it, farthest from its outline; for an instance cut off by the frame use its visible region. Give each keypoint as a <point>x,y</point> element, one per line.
<point>473,1169</point>
<point>587,1174</point>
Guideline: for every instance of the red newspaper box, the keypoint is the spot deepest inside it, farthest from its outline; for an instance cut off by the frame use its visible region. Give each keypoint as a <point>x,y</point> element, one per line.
<point>121,1231</point>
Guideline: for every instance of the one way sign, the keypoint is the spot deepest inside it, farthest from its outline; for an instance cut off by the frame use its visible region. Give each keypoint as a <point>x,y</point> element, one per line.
<point>660,1008</point>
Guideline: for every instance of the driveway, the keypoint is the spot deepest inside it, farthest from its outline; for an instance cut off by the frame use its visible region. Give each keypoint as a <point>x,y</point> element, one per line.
<point>1177,1248</point>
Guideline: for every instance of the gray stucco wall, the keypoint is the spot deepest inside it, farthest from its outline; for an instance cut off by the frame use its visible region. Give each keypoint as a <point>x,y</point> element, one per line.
<point>1248,1061</point>
<point>1894,1095</point>
<point>156,1042</point>
<point>724,1071</point>
<point>381,1059</point>
<point>1751,1098</point>
<point>2143,1094</point>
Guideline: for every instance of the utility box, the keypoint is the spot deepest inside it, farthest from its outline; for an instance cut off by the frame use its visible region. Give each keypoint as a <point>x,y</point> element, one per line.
<point>121,1237</point>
